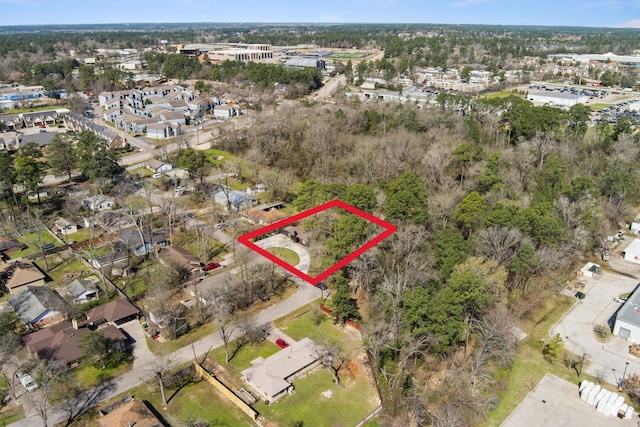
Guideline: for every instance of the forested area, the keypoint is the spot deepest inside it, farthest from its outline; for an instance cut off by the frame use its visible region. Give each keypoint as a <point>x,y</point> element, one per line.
<point>493,208</point>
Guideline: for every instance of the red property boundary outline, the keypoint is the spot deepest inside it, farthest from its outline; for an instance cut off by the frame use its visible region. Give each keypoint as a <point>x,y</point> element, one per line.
<point>389,229</point>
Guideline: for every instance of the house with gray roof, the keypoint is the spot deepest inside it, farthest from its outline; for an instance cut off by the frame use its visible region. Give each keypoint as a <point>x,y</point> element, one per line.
<point>99,202</point>
<point>142,244</point>
<point>64,226</point>
<point>215,286</point>
<point>37,306</point>
<point>82,290</point>
<point>271,378</point>
<point>235,200</point>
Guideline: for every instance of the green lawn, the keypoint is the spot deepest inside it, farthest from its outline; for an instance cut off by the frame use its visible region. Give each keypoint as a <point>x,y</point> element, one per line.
<point>89,376</point>
<point>595,107</point>
<point>170,346</point>
<point>11,415</point>
<point>287,255</point>
<point>304,326</point>
<point>33,241</point>
<point>59,266</point>
<point>317,401</point>
<point>244,356</point>
<point>501,94</point>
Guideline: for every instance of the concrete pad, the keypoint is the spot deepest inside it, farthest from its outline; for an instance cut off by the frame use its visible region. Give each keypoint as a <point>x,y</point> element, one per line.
<point>556,402</point>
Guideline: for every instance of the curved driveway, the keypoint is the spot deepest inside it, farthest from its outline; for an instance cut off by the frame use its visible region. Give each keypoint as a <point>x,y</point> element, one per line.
<point>280,241</point>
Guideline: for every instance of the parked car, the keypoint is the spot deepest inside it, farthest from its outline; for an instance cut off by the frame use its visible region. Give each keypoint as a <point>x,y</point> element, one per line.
<point>322,286</point>
<point>263,296</point>
<point>27,381</point>
<point>620,299</point>
<point>222,225</point>
<point>282,343</point>
<point>211,266</point>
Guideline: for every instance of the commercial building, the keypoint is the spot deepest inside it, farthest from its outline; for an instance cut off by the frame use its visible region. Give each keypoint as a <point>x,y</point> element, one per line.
<point>627,324</point>
<point>558,99</point>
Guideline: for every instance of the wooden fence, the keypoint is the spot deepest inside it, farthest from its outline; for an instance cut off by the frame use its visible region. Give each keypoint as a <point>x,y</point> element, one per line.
<point>252,413</point>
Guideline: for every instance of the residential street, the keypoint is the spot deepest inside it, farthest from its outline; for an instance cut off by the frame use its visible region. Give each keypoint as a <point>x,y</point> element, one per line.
<point>305,295</point>
<point>140,373</point>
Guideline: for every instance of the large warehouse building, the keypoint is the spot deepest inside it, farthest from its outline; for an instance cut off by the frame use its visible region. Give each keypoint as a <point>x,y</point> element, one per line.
<point>627,324</point>
<point>557,99</point>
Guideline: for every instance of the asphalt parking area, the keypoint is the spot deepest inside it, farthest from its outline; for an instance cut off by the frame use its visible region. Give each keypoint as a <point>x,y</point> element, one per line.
<point>555,402</point>
<point>607,361</point>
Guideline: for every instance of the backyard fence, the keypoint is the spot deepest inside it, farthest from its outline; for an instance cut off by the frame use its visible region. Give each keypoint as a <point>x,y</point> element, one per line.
<point>227,392</point>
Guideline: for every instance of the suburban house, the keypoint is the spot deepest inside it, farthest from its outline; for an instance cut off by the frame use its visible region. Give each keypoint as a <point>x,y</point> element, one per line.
<point>214,286</point>
<point>37,306</point>
<point>115,313</point>
<point>99,202</point>
<point>10,246</point>
<point>264,214</point>
<point>134,239</point>
<point>112,221</point>
<point>187,265</point>
<point>237,200</point>
<point>18,275</point>
<point>118,258</point>
<point>254,190</point>
<point>271,378</point>
<point>61,342</point>
<point>297,234</point>
<point>82,290</point>
<point>136,413</point>
<point>64,227</point>
<point>158,166</point>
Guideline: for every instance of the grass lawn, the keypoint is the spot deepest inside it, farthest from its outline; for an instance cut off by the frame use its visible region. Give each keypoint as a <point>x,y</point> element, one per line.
<point>501,94</point>
<point>11,415</point>
<point>595,107</point>
<point>59,267</point>
<point>287,255</point>
<point>319,402</point>
<point>530,366</point>
<point>89,376</point>
<point>244,356</point>
<point>304,325</point>
<point>170,346</point>
<point>33,241</point>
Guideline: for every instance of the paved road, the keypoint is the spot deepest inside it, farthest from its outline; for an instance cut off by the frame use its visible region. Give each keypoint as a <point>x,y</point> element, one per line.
<point>303,296</point>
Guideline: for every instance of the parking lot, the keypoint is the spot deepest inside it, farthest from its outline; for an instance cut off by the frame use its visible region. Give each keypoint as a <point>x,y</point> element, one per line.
<point>607,361</point>
<point>556,402</point>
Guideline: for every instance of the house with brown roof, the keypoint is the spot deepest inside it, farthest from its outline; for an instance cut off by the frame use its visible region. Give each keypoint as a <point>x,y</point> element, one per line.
<point>115,312</point>
<point>264,214</point>
<point>21,274</point>
<point>136,413</point>
<point>61,342</point>
<point>187,265</point>
<point>271,377</point>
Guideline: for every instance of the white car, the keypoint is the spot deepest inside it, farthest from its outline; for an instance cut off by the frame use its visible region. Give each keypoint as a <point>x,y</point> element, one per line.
<point>27,381</point>
<point>620,299</point>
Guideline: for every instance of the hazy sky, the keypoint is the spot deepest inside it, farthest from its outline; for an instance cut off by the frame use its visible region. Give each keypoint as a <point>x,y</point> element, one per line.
<point>590,13</point>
